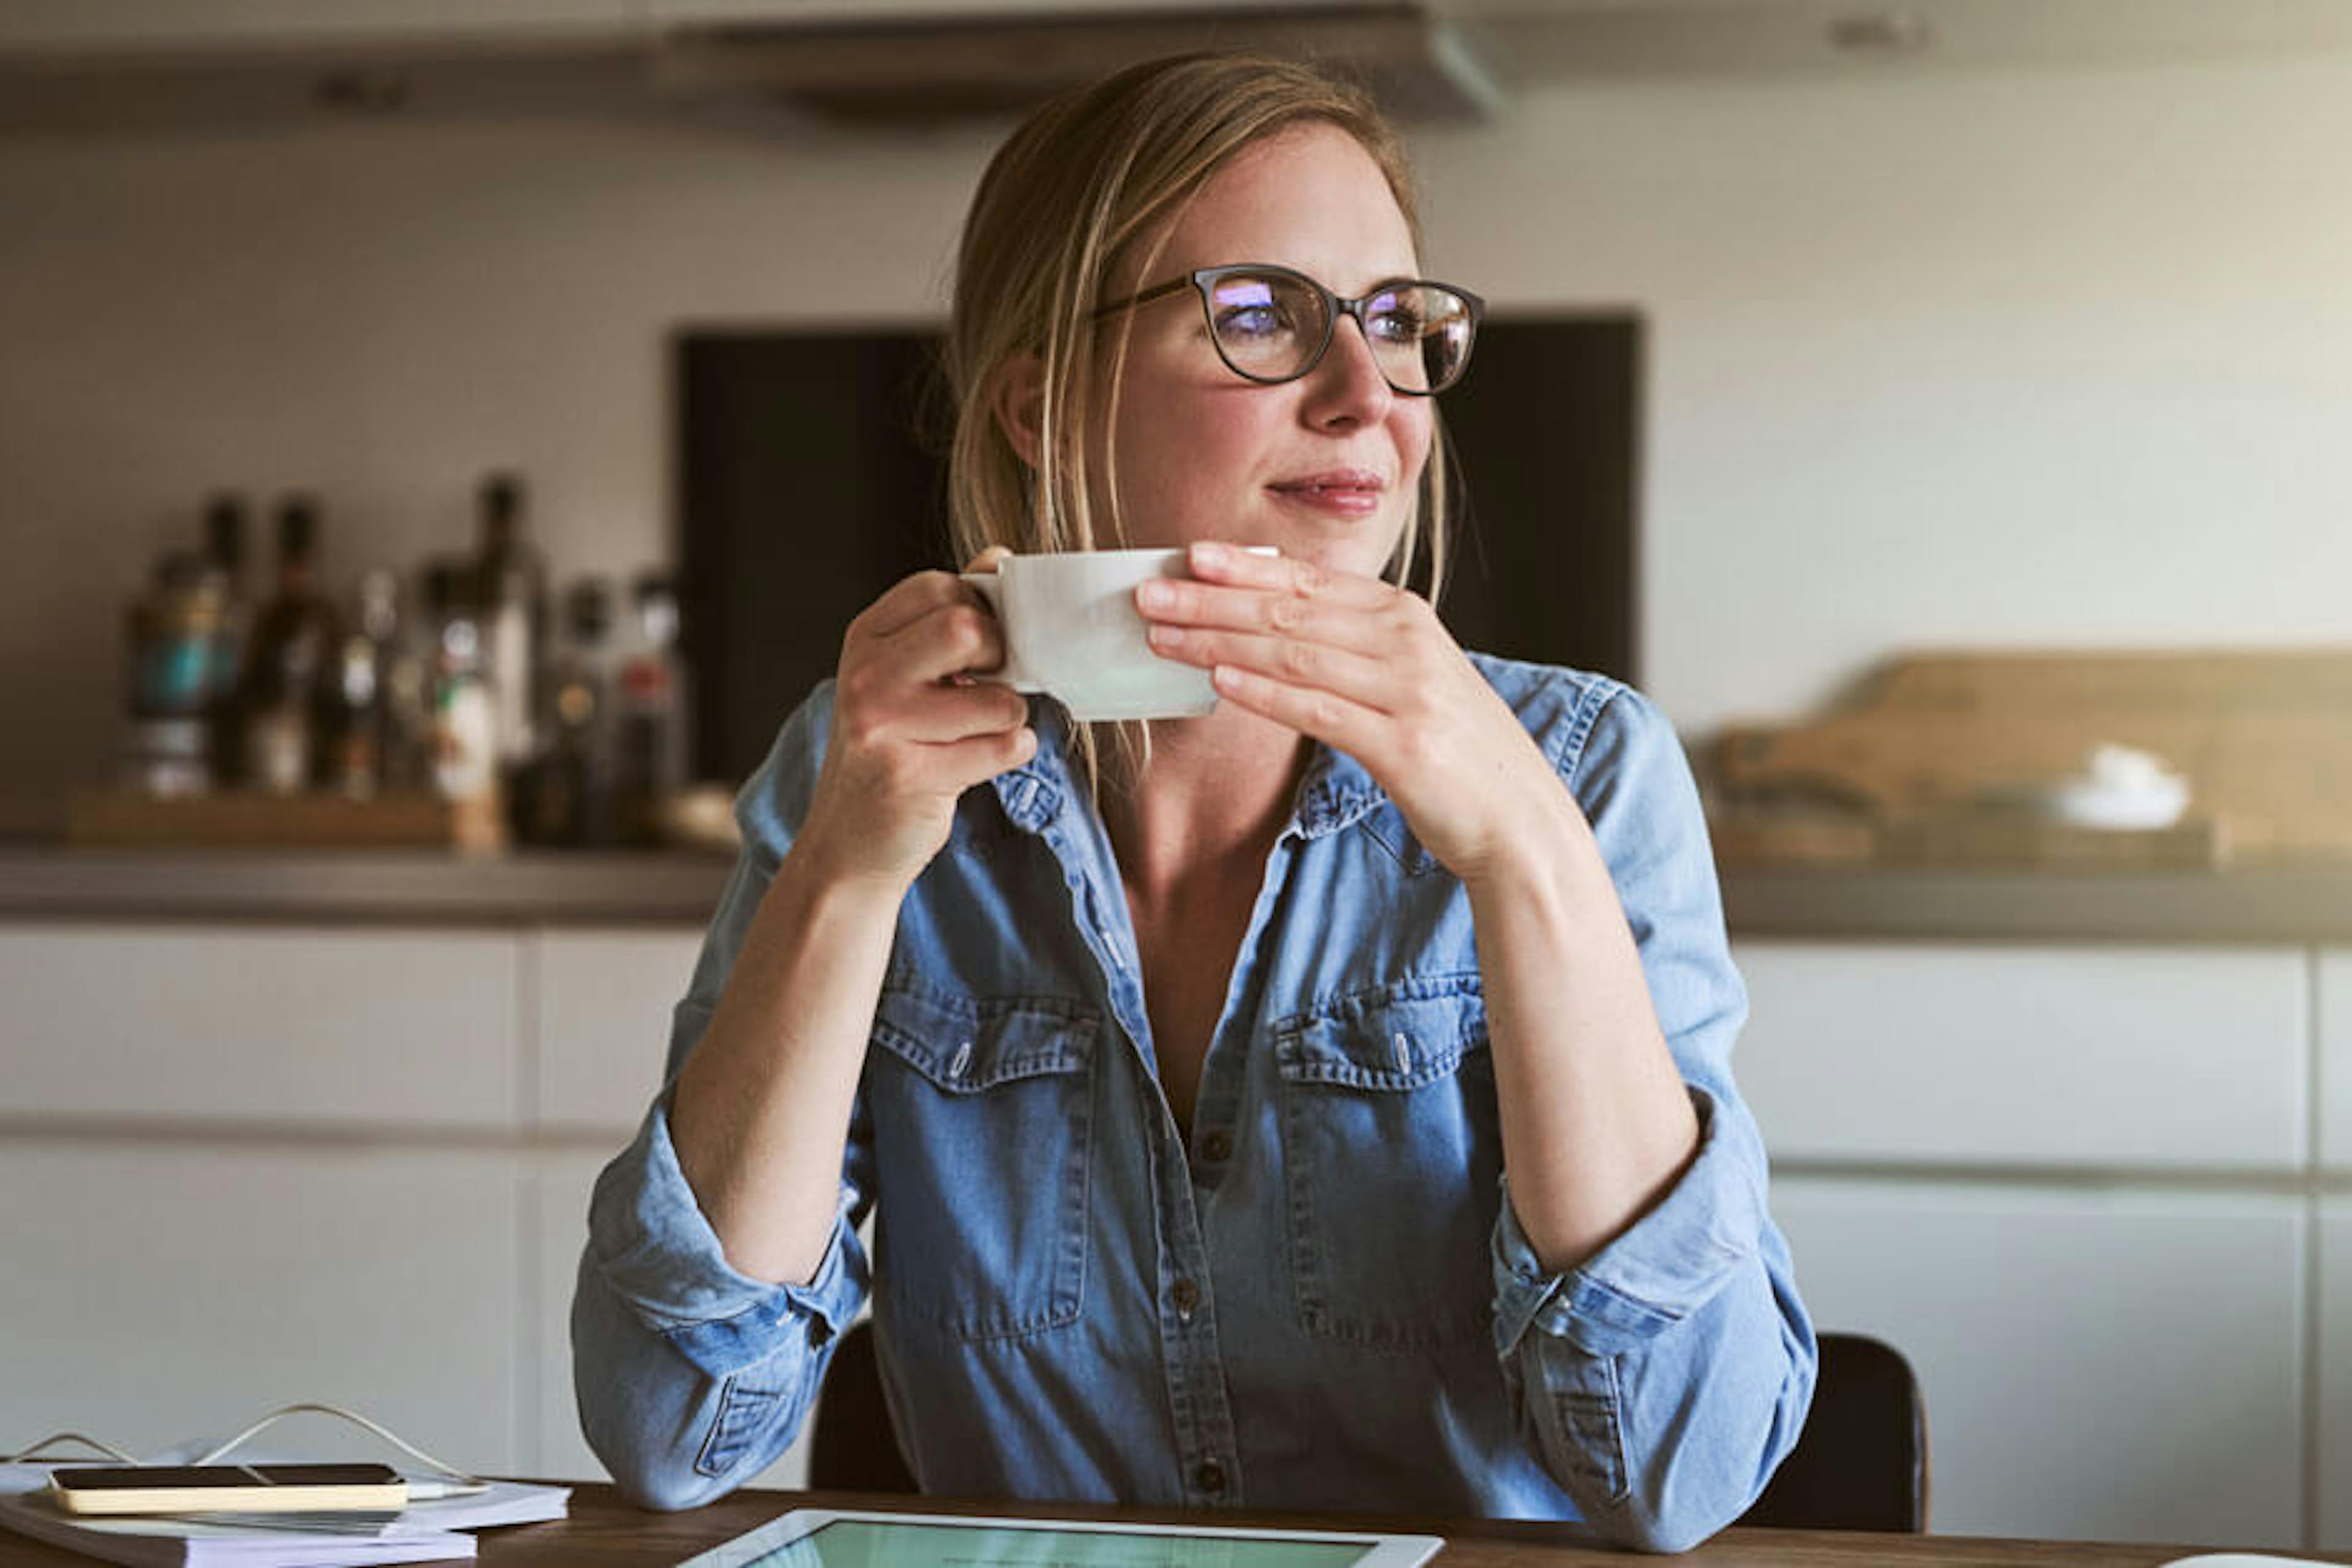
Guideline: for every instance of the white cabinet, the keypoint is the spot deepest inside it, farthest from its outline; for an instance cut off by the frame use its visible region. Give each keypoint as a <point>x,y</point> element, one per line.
<point>259,1026</point>
<point>604,1021</point>
<point>2077,1186</point>
<point>559,1189</point>
<point>155,1293</point>
<point>245,1165</point>
<point>2122,1366</point>
<point>2334,1469</point>
<point>1967,1054</point>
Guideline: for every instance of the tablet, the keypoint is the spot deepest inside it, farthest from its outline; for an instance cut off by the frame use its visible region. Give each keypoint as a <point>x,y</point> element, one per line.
<point>848,1538</point>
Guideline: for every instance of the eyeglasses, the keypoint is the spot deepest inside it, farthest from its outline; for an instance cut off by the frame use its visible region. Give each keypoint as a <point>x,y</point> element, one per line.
<point>1272,325</point>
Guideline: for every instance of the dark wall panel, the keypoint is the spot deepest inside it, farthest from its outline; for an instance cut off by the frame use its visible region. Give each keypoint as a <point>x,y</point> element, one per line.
<point>812,476</point>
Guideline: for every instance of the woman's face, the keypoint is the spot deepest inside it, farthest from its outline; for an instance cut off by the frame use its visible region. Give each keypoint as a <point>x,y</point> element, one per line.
<point>1328,467</point>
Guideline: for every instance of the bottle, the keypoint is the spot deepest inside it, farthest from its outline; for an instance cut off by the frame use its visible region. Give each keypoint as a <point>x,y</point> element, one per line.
<point>651,740</point>
<point>513,588</point>
<point>224,536</point>
<point>465,712</point>
<point>293,637</point>
<point>568,799</point>
<point>407,685</point>
<point>352,742</point>
<point>173,630</point>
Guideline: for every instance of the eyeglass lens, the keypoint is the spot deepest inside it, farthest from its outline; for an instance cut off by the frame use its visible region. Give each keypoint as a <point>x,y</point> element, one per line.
<point>1271,327</point>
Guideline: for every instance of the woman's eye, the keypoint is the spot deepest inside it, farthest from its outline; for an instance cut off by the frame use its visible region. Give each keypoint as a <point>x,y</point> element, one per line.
<point>1399,325</point>
<point>1252,321</point>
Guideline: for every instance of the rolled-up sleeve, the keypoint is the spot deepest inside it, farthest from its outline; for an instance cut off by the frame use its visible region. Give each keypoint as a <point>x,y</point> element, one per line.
<point>1664,1378</point>
<point>691,1377</point>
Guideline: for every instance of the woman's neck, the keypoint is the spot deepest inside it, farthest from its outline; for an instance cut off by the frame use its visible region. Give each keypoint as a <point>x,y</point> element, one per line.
<point>1216,789</point>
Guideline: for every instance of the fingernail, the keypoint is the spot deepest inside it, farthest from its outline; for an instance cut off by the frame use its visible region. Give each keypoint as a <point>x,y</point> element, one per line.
<point>1163,636</point>
<point>1154,594</point>
<point>1207,554</point>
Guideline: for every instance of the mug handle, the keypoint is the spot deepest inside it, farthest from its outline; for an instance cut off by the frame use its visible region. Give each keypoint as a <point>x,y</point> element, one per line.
<point>1011,673</point>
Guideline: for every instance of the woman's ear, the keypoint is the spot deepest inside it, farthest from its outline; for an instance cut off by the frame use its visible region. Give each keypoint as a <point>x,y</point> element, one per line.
<point>1018,400</point>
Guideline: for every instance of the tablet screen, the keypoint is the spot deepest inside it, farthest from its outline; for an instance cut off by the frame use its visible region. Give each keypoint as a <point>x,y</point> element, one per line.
<point>800,1542</point>
<point>861,1543</point>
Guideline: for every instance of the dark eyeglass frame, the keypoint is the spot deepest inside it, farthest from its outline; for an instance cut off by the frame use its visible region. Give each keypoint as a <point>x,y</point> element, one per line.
<point>1205,280</point>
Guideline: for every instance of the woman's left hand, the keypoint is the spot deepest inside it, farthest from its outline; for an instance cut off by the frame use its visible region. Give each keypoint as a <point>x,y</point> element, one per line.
<point>1368,669</point>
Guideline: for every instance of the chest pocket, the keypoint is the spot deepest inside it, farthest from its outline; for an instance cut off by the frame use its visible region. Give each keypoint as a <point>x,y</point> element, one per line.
<point>1391,1153</point>
<point>983,1115</point>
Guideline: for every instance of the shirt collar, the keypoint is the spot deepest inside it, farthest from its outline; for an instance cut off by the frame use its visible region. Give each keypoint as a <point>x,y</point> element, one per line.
<point>1335,791</point>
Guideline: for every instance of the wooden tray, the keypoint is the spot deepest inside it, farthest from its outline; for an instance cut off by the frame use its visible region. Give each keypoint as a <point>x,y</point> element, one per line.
<point>240,820</point>
<point>1961,839</point>
<point>2264,738</point>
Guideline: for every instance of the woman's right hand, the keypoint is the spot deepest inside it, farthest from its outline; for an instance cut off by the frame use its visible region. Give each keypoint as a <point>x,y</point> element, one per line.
<point>908,738</point>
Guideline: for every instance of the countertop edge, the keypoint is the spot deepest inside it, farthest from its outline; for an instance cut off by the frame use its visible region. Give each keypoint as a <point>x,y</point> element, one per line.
<point>2280,904</point>
<point>370,885</point>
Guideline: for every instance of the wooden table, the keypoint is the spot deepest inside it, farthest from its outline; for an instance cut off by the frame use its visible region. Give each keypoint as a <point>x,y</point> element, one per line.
<point>603,1532</point>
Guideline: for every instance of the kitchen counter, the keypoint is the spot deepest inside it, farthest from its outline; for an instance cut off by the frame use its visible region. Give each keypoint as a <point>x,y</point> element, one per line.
<point>2268,904</point>
<point>374,886</point>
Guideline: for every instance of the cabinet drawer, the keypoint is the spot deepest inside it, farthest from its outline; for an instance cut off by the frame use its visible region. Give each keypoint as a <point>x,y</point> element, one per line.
<point>604,1002</point>
<point>2334,1033</point>
<point>2113,1364</point>
<point>259,1023</point>
<point>1974,1054</point>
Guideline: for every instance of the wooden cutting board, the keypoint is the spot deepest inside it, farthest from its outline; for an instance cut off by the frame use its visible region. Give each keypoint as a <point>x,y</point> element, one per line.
<point>2264,738</point>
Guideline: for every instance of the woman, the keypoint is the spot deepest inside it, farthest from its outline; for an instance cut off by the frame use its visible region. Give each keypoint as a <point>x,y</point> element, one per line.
<point>1325,1105</point>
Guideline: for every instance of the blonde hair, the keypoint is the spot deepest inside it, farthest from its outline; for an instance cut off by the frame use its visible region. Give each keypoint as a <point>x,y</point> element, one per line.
<point>1076,186</point>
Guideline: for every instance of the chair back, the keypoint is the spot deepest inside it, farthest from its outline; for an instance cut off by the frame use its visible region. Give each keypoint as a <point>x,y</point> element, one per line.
<point>851,1445</point>
<point>1862,1461</point>
<point>1859,1464</point>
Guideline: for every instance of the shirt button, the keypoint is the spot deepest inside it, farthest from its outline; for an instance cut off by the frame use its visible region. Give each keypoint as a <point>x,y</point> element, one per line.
<point>1186,1297</point>
<point>1217,1147</point>
<point>1210,1478</point>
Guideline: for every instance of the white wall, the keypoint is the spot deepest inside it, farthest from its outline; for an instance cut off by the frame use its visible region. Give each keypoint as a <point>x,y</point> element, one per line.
<point>2058,358</point>
<point>2029,355</point>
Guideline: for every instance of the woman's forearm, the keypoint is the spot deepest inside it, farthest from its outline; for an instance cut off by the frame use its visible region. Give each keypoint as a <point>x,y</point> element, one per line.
<point>761,1112</point>
<point>1596,1122</point>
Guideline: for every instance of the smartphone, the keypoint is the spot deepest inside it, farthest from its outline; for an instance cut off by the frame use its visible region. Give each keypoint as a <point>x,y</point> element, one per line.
<point>231,1488</point>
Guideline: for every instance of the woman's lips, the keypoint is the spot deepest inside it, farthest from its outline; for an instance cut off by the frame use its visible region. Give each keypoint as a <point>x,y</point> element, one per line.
<point>1349,493</point>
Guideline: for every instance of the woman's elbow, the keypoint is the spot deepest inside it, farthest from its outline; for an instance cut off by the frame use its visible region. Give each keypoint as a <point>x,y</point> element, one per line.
<point>659,1482</point>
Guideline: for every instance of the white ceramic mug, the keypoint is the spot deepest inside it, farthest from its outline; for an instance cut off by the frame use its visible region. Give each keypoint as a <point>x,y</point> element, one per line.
<point>1072,631</point>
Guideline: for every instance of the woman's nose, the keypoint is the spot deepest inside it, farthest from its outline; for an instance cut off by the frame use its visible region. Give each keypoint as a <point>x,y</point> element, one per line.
<point>1348,387</point>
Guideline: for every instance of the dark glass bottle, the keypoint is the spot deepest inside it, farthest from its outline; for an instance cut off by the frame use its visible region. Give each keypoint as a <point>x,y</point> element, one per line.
<point>355,733</point>
<point>465,712</point>
<point>294,635</point>
<point>568,799</point>
<point>224,554</point>
<point>172,627</point>
<point>512,583</point>
<point>652,740</point>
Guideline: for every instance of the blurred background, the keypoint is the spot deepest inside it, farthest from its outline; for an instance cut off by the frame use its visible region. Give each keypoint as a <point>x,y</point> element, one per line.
<point>1927,403</point>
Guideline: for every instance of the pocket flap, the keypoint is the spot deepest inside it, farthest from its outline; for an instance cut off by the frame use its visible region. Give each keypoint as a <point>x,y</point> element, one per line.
<point>963,1045</point>
<point>1398,1037</point>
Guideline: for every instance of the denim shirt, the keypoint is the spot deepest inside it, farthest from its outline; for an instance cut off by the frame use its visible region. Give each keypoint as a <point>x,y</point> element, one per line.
<point>1320,1298</point>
